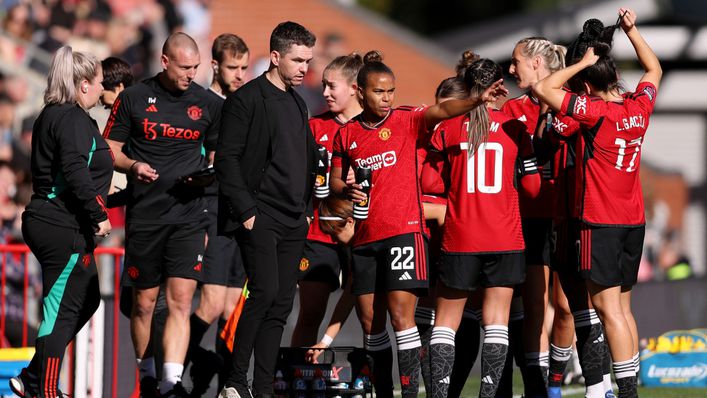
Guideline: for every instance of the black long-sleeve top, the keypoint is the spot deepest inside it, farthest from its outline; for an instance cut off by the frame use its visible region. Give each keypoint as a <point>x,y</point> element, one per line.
<point>72,167</point>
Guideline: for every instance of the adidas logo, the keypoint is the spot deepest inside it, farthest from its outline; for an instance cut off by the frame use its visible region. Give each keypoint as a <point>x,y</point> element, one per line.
<point>353,146</point>
<point>324,138</point>
<point>405,277</point>
<point>321,164</point>
<point>151,108</point>
<point>522,118</point>
<point>599,339</point>
<point>365,183</point>
<point>487,379</point>
<point>444,381</point>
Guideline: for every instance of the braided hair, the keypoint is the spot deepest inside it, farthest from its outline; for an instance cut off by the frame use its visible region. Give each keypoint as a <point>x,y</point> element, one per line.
<point>479,76</point>
<point>552,54</point>
<point>602,75</point>
<point>468,58</point>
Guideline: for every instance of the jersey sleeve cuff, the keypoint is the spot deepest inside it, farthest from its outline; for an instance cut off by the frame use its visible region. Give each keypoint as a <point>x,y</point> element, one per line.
<point>568,104</point>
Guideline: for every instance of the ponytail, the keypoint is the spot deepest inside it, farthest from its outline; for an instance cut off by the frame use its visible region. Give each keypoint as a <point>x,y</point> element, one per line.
<point>60,81</point>
<point>67,70</point>
<point>479,76</point>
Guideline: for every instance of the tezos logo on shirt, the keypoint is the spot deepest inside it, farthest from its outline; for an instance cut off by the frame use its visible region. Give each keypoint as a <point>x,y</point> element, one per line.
<point>378,161</point>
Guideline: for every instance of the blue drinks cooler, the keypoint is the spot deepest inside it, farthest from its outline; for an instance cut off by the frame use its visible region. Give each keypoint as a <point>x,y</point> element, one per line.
<point>341,372</point>
<point>12,360</point>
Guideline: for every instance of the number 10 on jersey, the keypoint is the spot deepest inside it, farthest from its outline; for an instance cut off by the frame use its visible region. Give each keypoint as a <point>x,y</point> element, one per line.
<point>476,168</point>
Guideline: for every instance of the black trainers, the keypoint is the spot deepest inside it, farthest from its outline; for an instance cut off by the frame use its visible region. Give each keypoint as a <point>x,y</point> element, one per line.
<point>25,385</point>
<point>177,391</point>
<point>205,365</point>
<point>149,388</point>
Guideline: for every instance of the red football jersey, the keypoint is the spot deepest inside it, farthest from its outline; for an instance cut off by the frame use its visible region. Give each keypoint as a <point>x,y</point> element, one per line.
<point>527,109</point>
<point>564,144</point>
<point>610,154</point>
<point>390,150</point>
<point>432,175</point>
<point>324,128</point>
<point>482,201</point>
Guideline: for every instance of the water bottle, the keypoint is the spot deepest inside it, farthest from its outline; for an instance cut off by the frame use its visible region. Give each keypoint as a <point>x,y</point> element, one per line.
<point>363,178</point>
<point>359,383</point>
<point>280,385</point>
<point>321,190</point>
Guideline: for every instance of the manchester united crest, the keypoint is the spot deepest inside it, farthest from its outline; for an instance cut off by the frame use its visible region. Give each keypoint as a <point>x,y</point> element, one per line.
<point>384,134</point>
<point>194,112</point>
<point>303,264</point>
<point>133,272</point>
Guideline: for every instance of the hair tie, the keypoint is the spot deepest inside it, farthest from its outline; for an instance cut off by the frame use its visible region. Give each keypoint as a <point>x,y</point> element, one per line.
<point>331,218</point>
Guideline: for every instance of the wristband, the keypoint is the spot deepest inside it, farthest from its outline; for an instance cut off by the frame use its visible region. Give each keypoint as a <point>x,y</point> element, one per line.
<point>130,169</point>
<point>327,340</point>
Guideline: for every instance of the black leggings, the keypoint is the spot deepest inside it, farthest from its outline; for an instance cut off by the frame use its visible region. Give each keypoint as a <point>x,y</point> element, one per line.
<point>70,294</point>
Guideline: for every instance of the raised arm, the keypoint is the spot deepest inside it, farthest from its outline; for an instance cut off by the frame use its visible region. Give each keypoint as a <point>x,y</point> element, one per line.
<point>549,89</point>
<point>653,71</point>
<point>455,107</point>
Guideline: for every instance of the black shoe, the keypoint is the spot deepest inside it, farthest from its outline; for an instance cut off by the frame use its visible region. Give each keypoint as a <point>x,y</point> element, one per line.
<point>205,365</point>
<point>177,391</point>
<point>149,388</point>
<point>25,385</point>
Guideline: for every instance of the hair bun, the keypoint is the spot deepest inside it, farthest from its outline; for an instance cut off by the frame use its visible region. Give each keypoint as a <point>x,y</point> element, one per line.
<point>468,58</point>
<point>592,29</point>
<point>372,56</point>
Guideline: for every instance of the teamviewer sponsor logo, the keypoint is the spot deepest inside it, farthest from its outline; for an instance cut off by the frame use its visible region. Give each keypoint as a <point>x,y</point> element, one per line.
<point>378,161</point>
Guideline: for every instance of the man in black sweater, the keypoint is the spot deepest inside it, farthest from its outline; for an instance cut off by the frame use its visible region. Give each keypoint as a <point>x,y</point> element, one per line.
<point>265,168</point>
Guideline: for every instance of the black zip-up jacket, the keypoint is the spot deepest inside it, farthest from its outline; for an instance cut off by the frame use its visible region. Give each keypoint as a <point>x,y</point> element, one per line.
<point>72,168</point>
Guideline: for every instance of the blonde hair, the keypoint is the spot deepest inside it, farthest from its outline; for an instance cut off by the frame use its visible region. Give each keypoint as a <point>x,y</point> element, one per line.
<point>66,72</point>
<point>552,54</point>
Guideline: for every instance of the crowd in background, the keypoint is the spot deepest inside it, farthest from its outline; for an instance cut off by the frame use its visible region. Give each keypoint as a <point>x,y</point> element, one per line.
<point>30,32</point>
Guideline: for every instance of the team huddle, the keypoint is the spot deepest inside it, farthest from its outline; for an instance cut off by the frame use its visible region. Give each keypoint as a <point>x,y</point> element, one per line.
<point>483,205</point>
<point>472,213</point>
